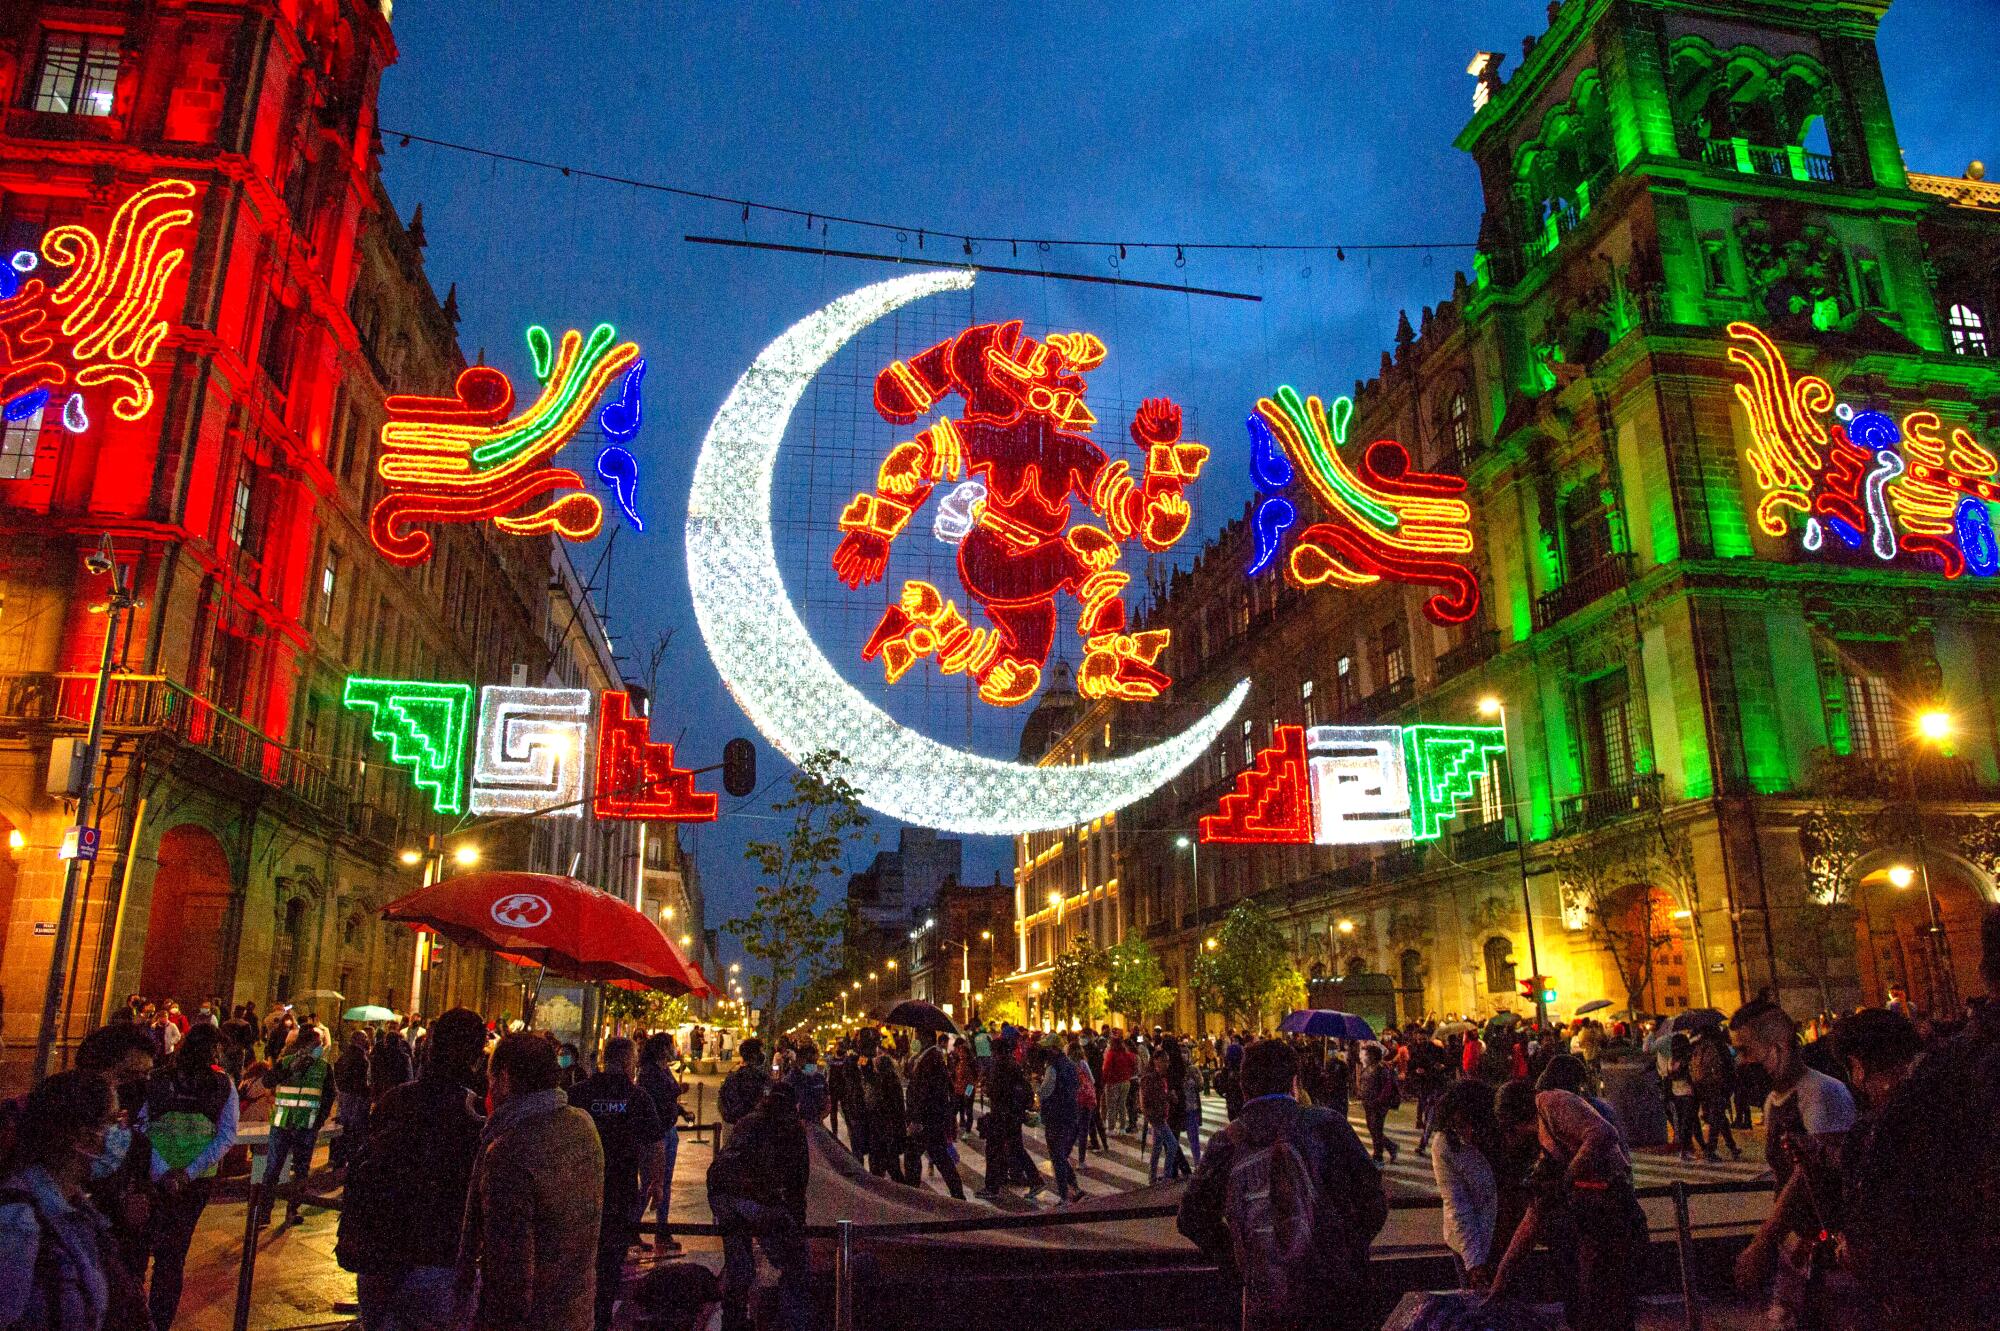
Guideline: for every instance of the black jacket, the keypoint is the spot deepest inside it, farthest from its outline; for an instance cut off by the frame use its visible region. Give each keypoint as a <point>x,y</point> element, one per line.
<point>741,1090</point>
<point>765,1160</point>
<point>405,1191</point>
<point>931,1101</point>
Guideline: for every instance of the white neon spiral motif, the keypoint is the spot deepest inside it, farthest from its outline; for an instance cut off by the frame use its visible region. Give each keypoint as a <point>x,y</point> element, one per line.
<point>530,751</point>
<point>782,680</point>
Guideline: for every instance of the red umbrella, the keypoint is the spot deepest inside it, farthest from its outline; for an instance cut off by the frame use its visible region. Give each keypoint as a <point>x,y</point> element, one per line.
<point>543,919</point>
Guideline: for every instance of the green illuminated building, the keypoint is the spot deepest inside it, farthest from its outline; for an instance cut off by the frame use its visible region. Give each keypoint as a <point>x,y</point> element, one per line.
<point>1712,728</point>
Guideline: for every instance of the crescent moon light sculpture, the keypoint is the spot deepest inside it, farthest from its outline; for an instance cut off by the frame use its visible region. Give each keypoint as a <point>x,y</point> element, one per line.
<point>786,685</point>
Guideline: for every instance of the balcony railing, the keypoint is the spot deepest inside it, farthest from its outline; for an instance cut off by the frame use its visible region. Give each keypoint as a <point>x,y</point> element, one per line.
<point>1476,649</point>
<point>1475,841</point>
<point>1958,190</point>
<point>1936,776</point>
<point>1593,808</point>
<point>1752,159</point>
<point>1387,698</point>
<point>1600,579</point>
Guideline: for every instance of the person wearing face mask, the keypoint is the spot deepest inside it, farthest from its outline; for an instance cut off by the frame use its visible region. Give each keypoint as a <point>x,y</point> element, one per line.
<point>191,1123</point>
<point>59,1263</point>
<point>303,1097</point>
<point>121,1184</point>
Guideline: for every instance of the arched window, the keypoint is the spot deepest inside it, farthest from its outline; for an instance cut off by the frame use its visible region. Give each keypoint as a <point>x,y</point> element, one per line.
<point>1499,965</point>
<point>1458,424</point>
<point>1357,965</point>
<point>1968,331</point>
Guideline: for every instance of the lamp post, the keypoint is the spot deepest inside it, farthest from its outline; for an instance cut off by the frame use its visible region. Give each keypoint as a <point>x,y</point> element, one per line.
<point>1193,847</point>
<point>1934,727</point>
<point>121,602</point>
<point>1493,707</point>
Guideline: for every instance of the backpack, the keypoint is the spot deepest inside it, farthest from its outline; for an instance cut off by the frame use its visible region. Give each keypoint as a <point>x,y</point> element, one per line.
<point>1291,1244</point>
<point>1705,1065</point>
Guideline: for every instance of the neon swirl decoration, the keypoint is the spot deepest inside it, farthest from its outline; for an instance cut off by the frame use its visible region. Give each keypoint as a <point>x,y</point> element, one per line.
<point>1913,491</point>
<point>101,325</point>
<point>1020,439</point>
<point>1385,520</point>
<point>465,459</point>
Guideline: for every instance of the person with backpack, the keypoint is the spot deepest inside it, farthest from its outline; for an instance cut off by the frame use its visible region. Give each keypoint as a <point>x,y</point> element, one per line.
<point>1710,1068</point>
<point>191,1110</point>
<point>1287,1203</point>
<point>757,1194</point>
<point>1057,1095</point>
<point>59,1263</point>
<point>302,1097</point>
<point>407,1178</point>
<point>1380,1093</point>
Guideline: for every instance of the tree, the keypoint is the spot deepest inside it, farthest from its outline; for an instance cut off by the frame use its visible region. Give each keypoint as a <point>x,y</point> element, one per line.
<point>1248,968</point>
<point>648,1010</point>
<point>1076,981</point>
<point>1600,874</point>
<point>1836,834</point>
<point>786,930</point>
<point>1005,1010</point>
<point>1135,983</point>
<point>1673,855</point>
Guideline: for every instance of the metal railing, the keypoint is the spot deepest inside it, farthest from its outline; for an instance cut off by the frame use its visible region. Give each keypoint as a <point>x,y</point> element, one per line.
<point>1595,807</point>
<point>1477,648</point>
<point>1600,579</point>
<point>1478,840</point>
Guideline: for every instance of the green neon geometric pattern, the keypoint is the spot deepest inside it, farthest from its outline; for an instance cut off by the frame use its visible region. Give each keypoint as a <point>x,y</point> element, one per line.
<point>1444,764</point>
<point>424,724</point>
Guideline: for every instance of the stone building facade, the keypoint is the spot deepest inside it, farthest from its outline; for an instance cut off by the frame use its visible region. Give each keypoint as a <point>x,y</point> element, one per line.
<point>1714,732</point>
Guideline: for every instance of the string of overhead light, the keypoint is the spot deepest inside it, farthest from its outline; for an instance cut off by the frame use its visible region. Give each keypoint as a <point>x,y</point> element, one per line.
<point>904,231</point>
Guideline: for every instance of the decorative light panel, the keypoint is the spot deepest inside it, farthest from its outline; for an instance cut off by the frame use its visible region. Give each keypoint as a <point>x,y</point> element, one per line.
<point>465,459</point>
<point>1829,469</point>
<point>1354,785</point>
<point>530,753</point>
<point>1021,438</point>
<point>778,674</point>
<point>1386,519</point>
<point>100,326</point>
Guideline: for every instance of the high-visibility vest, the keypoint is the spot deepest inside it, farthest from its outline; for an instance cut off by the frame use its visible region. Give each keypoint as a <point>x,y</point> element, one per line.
<point>300,1087</point>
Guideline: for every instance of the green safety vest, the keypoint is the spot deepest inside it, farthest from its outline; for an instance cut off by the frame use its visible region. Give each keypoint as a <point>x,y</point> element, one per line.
<point>301,1084</point>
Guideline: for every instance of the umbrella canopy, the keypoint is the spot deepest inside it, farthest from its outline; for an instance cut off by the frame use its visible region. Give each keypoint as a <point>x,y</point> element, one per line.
<point>311,994</point>
<point>1594,1005</point>
<point>1694,1019</point>
<point>921,1016</point>
<point>368,1012</point>
<point>548,920</point>
<point>1453,1028</point>
<point>1326,1022</point>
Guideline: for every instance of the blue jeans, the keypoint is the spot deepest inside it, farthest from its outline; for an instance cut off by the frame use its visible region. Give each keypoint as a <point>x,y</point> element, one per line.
<point>741,1221</point>
<point>422,1298</point>
<point>295,1145</point>
<point>1165,1143</point>
<point>673,1149</point>
<point>1194,1134</point>
<point>1061,1137</point>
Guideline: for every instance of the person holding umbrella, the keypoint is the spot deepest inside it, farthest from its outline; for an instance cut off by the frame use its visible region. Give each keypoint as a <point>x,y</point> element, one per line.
<point>933,1111</point>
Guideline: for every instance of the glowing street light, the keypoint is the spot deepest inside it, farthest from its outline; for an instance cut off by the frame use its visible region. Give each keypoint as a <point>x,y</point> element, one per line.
<point>411,857</point>
<point>1345,926</point>
<point>1211,943</point>
<point>1901,876</point>
<point>466,856</point>
<point>1491,706</point>
<point>1934,725</point>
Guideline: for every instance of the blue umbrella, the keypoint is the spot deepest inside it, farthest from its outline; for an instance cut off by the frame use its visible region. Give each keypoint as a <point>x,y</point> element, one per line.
<point>1328,1023</point>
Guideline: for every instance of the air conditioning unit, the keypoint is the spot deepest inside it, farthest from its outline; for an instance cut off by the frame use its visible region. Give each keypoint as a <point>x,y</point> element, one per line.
<point>67,757</point>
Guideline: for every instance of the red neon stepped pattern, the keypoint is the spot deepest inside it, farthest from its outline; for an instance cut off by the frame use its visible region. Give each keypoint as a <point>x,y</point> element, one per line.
<point>1272,802</point>
<point>636,778</point>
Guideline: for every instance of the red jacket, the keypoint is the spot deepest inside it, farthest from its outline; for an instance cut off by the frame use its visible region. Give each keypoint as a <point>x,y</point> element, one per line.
<point>1469,1064</point>
<point>1120,1066</point>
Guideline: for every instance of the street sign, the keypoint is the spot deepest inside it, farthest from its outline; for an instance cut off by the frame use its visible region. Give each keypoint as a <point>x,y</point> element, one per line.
<point>45,928</point>
<point>78,843</point>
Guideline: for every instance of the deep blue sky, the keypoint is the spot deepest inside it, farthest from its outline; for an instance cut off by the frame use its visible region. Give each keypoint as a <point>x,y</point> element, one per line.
<point>1270,122</point>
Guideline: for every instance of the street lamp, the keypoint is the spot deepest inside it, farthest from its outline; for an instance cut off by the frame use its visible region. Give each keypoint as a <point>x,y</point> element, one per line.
<point>1901,876</point>
<point>1492,706</point>
<point>1934,727</point>
<point>411,857</point>
<point>466,856</point>
<point>1193,848</point>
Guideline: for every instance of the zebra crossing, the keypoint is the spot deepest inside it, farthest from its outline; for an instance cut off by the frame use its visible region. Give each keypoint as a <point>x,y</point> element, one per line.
<point>1122,1167</point>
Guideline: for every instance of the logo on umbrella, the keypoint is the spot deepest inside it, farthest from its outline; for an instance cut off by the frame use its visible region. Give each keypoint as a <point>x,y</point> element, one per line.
<point>522,910</point>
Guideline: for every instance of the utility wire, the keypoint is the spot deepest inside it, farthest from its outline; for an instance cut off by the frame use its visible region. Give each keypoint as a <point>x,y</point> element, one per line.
<point>903,230</point>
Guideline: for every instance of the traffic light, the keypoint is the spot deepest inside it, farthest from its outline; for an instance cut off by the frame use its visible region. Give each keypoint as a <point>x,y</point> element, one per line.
<point>739,767</point>
<point>1539,989</point>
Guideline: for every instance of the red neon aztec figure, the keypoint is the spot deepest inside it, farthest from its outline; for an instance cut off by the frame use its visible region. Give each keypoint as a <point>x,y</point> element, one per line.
<point>1020,440</point>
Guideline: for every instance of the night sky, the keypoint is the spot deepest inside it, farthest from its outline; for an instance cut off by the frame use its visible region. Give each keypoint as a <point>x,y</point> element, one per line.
<point>1274,123</point>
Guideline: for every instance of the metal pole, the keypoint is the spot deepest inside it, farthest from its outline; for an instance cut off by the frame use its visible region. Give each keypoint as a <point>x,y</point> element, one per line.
<point>246,1269</point>
<point>433,870</point>
<point>45,1038</point>
<point>843,1276</point>
<point>1521,857</point>
<point>1684,1244</point>
<point>1944,986</point>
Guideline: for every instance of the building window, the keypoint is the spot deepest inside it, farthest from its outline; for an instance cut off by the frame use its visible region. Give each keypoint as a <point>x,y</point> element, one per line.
<point>1499,955</point>
<point>1249,745</point>
<point>1968,331</point>
<point>1715,260</point>
<point>1306,705</point>
<point>78,74</point>
<point>240,510</point>
<point>1458,420</point>
<point>1586,530</point>
<point>329,586</point>
<point>17,446</point>
<point>1608,706</point>
<point>1871,717</point>
<point>1350,684</point>
<point>1395,647</point>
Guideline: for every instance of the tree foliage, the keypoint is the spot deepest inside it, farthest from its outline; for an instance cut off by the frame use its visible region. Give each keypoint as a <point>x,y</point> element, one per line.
<point>786,929</point>
<point>1608,876</point>
<point>1135,983</point>
<point>650,1010</point>
<point>1245,974</point>
<point>1076,985</point>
